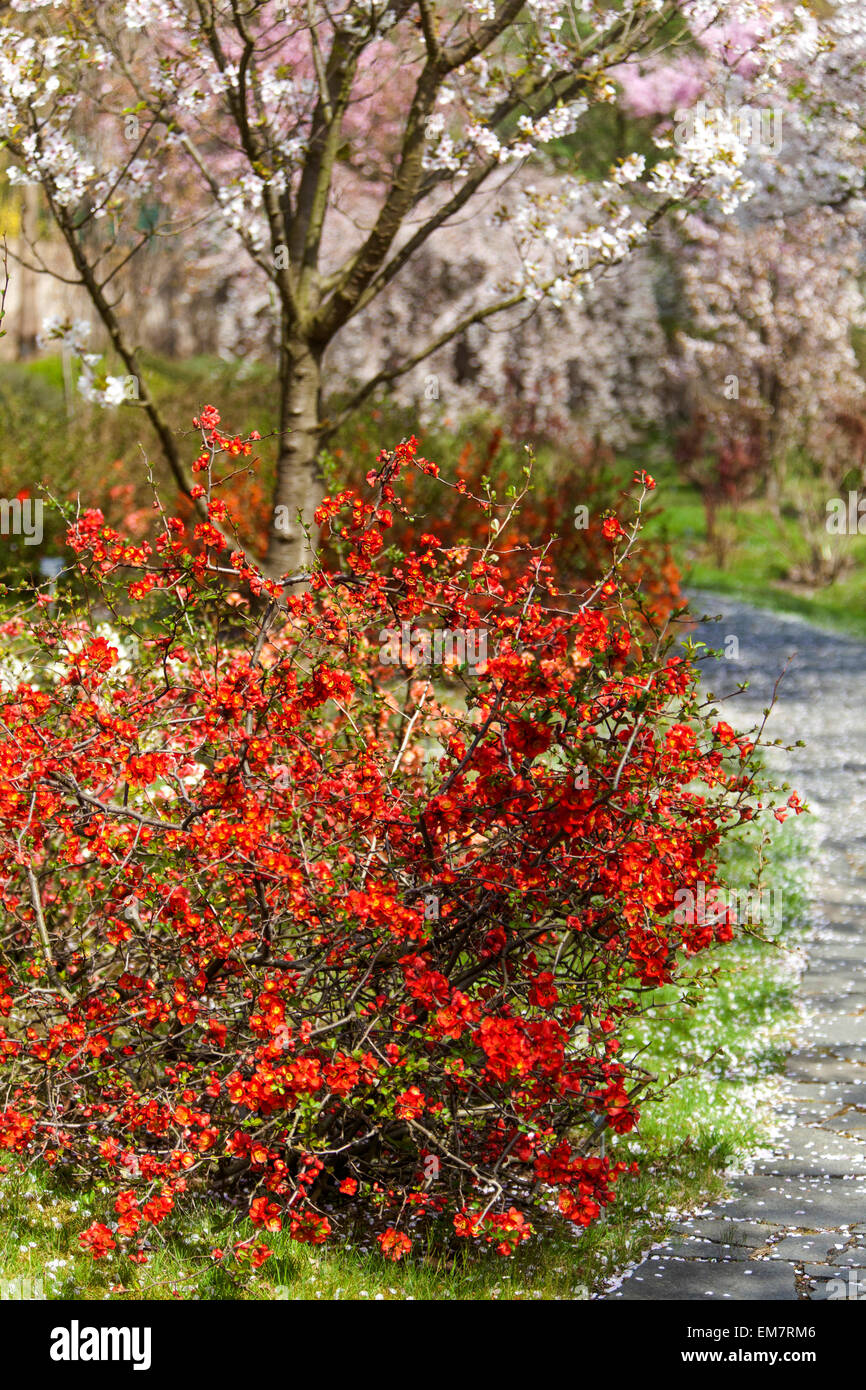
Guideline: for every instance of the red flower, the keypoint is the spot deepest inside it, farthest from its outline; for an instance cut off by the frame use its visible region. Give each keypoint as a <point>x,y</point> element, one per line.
<point>394,1244</point>
<point>409,1104</point>
<point>265,1213</point>
<point>98,1240</point>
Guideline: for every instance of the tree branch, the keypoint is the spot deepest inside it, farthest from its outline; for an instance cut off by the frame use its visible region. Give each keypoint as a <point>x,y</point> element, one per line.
<point>42,930</point>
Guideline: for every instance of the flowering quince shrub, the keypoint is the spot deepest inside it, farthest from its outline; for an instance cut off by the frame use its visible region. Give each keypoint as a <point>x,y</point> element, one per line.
<point>485,467</point>
<point>588,475</point>
<point>342,938</point>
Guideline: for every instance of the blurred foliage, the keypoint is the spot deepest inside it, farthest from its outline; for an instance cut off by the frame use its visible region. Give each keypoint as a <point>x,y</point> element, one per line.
<point>59,443</point>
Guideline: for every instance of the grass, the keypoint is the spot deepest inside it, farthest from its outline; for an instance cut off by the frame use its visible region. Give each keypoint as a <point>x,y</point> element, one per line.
<point>715,1054</point>
<point>761,551</point>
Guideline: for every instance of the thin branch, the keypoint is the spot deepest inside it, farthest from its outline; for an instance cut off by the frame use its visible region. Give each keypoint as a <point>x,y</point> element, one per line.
<point>41,928</point>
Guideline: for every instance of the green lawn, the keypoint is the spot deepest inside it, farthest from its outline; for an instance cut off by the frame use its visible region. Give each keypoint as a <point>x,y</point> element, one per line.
<point>761,552</point>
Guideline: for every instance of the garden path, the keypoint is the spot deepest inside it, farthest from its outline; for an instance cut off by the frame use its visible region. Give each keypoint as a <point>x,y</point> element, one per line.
<point>795,1226</point>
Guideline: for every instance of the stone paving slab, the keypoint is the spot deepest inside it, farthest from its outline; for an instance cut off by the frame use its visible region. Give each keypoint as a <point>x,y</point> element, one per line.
<point>813,1248</point>
<point>811,1114</point>
<point>727,1231</point>
<point>851,1122</point>
<point>832,1069</point>
<point>823,1093</point>
<point>846,1041</point>
<point>847,1259</point>
<point>833,985</point>
<point>806,1208</point>
<point>707,1250</point>
<point>698,1281</point>
<point>813,1167</point>
<point>814,1139</point>
<point>839,1286</point>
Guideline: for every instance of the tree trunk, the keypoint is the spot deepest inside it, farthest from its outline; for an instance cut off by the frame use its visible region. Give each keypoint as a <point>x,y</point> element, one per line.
<point>298,487</point>
<point>28,280</point>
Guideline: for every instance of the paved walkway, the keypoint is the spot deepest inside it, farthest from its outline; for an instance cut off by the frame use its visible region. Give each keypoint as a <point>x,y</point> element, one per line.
<point>795,1227</point>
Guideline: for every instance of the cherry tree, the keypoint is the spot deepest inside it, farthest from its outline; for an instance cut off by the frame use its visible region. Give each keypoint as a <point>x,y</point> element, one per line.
<point>328,144</point>
<point>589,366</point>
<point>765,369</point>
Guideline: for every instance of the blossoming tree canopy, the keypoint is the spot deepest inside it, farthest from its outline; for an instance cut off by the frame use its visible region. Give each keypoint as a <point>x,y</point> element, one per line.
<point>353,937</point>
<point>329,143</point>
